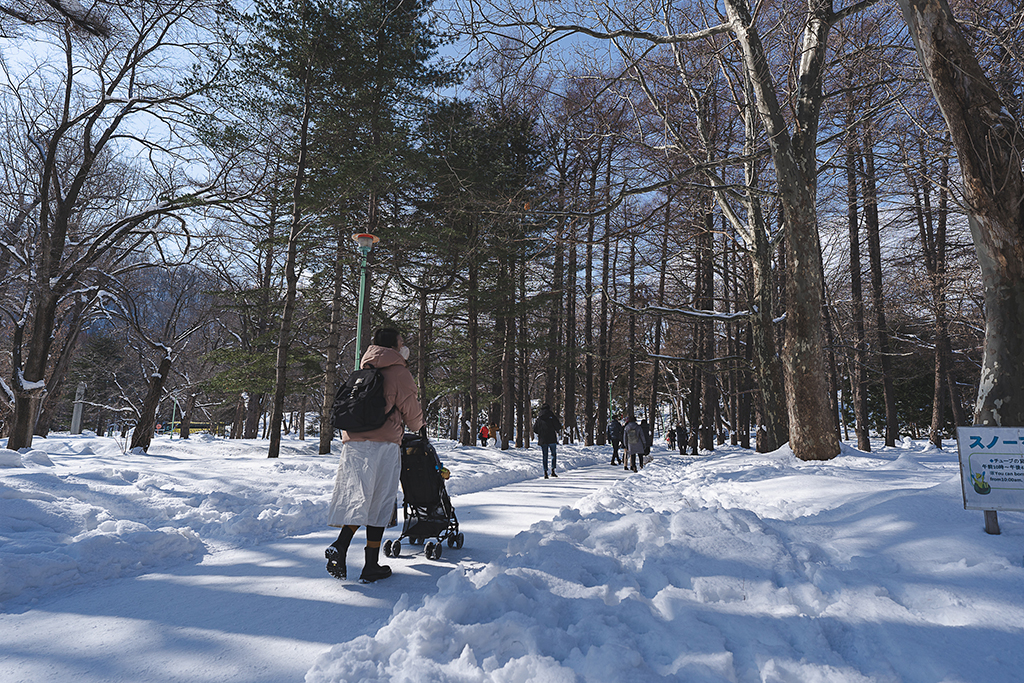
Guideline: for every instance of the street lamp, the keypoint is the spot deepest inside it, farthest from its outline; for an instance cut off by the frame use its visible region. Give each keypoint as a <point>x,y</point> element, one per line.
<point>365,242</point>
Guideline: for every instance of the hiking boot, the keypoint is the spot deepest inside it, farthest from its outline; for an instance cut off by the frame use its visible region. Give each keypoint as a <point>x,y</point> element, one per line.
<point>553,473</point>
<point>373,573</point>
<point>633,468</point>
<point>545,475</point>
<point>372,570</point>
<point>335,562</point>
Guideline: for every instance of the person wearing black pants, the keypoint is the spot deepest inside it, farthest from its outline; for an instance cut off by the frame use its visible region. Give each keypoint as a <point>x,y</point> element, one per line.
<point>615,436</point>
<point>546,428</point>
<point>366,484</point>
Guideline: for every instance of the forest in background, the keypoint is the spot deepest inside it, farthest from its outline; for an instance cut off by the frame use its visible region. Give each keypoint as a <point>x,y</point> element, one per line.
<point>589,211</point>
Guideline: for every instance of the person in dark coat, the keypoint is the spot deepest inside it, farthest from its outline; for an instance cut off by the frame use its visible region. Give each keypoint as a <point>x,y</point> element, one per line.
<point>671,438</point>
<point>683,438</point>
<point>546,428</point>
<point>634,440</point>
<point>615,436</point>
<point>648,438</point>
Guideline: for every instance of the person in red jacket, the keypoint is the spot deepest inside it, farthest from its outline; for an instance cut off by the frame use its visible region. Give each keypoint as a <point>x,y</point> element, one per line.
<point>370,464</point>
<point>484,435</point>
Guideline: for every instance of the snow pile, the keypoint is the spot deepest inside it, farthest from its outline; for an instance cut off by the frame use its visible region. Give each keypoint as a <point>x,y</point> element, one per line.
<point>732,567</point>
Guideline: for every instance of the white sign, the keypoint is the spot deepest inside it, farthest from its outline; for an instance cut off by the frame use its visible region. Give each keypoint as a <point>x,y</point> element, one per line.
<point>992,467</point>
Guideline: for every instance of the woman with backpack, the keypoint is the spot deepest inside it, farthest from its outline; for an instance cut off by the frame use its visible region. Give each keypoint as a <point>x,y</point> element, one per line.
<point>546,428</point>
<point>371,461</point>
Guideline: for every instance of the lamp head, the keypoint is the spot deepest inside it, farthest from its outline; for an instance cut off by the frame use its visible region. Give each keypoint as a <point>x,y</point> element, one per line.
<point>365,240</point>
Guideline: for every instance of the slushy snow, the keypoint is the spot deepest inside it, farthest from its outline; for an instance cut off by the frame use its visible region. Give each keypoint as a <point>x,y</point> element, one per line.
<point>731,566</point>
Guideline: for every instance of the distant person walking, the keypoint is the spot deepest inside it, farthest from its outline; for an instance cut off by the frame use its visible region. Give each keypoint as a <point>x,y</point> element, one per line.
<point>546,428</point>
<point>648,438</point>
<point>615,436</point>
<point>484,435</point>
<point>633,439</point>
<point>368,470</point>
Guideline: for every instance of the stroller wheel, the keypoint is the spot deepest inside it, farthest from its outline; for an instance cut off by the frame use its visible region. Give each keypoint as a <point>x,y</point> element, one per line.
<point>387,548</point>
<point>396,548</point>
<point>451,541</point>
<point>437,551</point>
<point>459,540</point>
<point>429,550</point>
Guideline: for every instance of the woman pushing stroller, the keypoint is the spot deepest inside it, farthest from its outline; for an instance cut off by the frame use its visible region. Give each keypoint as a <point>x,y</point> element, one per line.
<point>370,465</point>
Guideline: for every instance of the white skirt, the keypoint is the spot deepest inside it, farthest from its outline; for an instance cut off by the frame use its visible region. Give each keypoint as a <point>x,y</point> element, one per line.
<point>366,485</point>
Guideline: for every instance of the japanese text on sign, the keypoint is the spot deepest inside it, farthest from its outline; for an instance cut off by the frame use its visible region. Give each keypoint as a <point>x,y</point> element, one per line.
<point>992,467</point>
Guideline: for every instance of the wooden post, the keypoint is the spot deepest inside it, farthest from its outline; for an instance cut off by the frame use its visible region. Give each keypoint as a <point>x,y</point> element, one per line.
<point>991,522</point>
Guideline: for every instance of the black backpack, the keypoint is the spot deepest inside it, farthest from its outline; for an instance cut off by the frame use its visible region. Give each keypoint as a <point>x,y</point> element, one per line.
<point>359,405</point>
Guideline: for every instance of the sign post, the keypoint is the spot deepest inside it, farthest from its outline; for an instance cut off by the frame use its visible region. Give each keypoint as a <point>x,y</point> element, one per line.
<point>992,470</point>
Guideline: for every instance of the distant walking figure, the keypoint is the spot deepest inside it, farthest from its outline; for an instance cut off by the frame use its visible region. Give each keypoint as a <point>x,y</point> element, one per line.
<point>546,428</point>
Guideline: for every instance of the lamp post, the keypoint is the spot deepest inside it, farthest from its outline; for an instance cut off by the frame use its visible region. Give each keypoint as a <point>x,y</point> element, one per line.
<point>365,242</point>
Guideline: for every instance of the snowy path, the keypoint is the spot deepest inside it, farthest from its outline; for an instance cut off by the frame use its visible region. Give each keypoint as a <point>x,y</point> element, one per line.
<point>260,614</point>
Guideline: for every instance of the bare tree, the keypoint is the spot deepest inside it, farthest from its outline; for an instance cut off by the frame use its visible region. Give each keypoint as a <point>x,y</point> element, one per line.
<point>161,309</point>
<point>793,148</point>
<point>990,147</point>
<point>91,19</point>
<point>106,92</point>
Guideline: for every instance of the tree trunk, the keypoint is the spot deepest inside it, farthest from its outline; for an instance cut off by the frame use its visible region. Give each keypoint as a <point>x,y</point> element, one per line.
<point>524,412</point>
<point>333,350</point>
<point>473,334</point>
<point>570,339</point>
<point>142,437</point>
<point>877,293</point>
<point>767,363</point>
<point>604,381</point>
<point>291,280</point>
<point>186,414</point>
<point>253,413</point>
<point>508,359</point>
<point>812,434</point>
<point>705,301</point>
<point>631,384</point>
<point>990,150</point>
<point>657,320</point>
<point>422,347</point>
<point>28,384</point>
<point>239,421</point>
<point>858,371</point>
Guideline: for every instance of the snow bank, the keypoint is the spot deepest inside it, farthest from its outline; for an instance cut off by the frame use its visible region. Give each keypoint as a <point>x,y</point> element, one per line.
<point>732,567</point>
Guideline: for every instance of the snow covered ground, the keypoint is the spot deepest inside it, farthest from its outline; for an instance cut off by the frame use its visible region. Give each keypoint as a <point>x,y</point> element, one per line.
<point>203,561</point>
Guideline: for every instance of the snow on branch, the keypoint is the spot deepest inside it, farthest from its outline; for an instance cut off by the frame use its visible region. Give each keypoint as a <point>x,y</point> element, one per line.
<point>702,361</point>
<point>693,313</point>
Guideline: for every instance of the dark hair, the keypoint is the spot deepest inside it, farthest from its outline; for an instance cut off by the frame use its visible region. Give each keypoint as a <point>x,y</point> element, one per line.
<point>386,336</point>
<point>545,407</point>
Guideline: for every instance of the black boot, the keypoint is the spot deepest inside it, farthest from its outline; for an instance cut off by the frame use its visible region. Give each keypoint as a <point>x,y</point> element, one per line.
<point>336,561</point>
<point>372,571</point>
<point>336,552</point>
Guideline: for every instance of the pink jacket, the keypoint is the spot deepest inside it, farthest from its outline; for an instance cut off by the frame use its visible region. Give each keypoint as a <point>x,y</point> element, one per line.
<point>399,390</point>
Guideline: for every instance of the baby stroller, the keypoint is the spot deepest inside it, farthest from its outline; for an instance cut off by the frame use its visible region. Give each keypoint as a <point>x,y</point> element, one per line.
<point>427,509</point>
